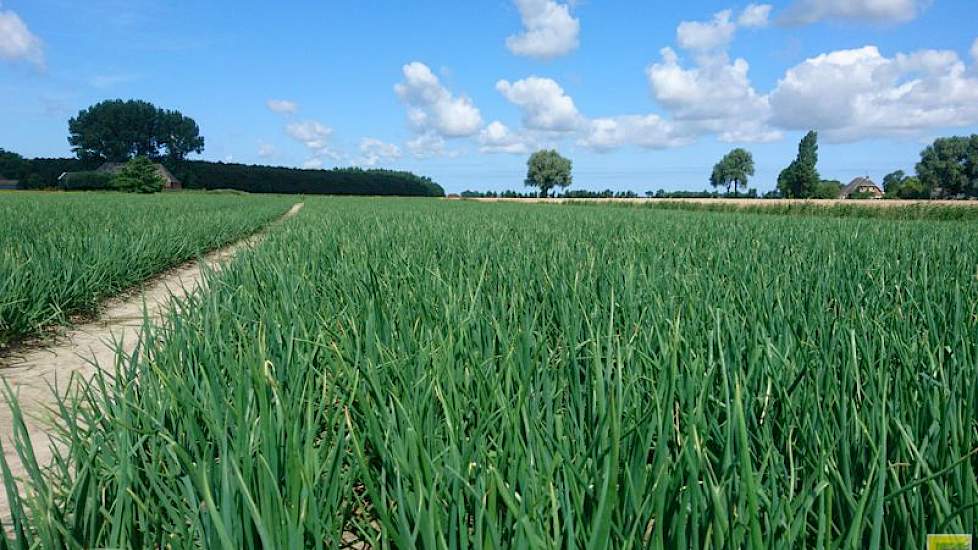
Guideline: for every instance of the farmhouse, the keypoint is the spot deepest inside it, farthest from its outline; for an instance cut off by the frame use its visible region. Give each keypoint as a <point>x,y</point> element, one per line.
<point>861,188</point>
<point>171,181</point>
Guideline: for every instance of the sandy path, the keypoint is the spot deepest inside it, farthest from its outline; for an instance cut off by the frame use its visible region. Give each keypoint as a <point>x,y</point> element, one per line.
<point>34,372</point>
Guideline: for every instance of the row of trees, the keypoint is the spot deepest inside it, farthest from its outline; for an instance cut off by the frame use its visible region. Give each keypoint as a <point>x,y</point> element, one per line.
<point>947,168</point>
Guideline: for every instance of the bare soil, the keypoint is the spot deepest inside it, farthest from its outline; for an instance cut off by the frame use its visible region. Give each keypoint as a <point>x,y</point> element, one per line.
<point>40,375</point>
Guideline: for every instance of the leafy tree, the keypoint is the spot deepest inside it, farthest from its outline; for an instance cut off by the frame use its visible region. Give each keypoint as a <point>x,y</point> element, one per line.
<point>118,130</point>
<point>893,181</point>
<point>546,169</point>
<point>951,165</point>
<point>734,169</point>
<point>800,179</point>
<point>139,175</point>
<point>13,166</point>
<point>827,189</point>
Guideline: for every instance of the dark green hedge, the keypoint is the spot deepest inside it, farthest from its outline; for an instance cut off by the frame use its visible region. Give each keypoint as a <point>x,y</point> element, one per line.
<point>198,174</point>
<point>87,181</point>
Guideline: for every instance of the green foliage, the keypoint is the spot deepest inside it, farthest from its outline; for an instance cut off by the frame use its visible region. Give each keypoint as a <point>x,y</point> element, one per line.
<point>734,169</point>
<point>900,186</point>
<point>546,169</point>
<point>273,179</point>
<point>64,252</point>
<point>827,189</point>
<point>139,175</point>
<point>13,166</point>
<point>87,181</point>
<point>951,165</point>
<point>425,374</point>
<point>800,179</point>
<point>117,130</point>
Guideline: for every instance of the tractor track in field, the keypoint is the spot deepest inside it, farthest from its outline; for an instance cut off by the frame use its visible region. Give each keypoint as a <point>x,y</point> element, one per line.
<point>39,374</point>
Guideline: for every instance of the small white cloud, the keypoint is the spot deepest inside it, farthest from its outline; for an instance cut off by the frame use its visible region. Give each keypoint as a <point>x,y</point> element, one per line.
<point>543,102</point>
<point>549,30</point>
<point>282,106</point>
<point>266,150</point>
<point>498,138</point>
<point>649,131</point>
<point>877,11</point>
<point>373,151</point>
<point>974,51</point>
<point>427,145</point>
<point>315,136</point>
<point>755,16</point>
<point>855,94</point>
<point>17,42</point>
<point>313,164</point>
<point>703,36</point>
<point>228,158</point>
<point>431,107</point>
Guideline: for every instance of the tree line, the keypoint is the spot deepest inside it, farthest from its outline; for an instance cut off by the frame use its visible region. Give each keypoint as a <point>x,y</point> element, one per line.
<point>122,131</point>
<point>948,168</point>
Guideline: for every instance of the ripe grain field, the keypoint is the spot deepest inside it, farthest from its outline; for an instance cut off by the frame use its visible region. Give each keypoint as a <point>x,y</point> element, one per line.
<point>414,373</point>
<point>61,254</point>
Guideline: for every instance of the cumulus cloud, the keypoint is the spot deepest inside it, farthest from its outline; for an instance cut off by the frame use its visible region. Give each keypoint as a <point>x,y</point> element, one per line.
<point>707,35</point>
<point>716,95</point>
<point>427,145</point>
<point>649,131</point>
<point>315,136</point>
<point>17,42</point>
<point>549,30</point>
<point>856,94</point>
<point>373,151</point>
<point>543,103</point>
<point>313,164</point>
<point>432,107</point>
<point>498,138</point>
<point>282,106</point>
<point>878,11</point>
<point>755,16</point>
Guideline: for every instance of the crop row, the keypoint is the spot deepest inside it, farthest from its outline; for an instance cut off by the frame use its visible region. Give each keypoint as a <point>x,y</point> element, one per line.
<point>460,375</point>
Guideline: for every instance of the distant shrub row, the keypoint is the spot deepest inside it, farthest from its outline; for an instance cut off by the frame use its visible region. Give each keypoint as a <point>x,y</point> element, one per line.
<point>914,211</point>
<point>87,181</point>
<point>273,179</point>
<point>198,174</point>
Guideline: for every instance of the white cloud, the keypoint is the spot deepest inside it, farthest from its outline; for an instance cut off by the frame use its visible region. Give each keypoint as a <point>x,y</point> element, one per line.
<point>17,42</point>
<point>549,30</point>
<point>856,94</point>
<point>282,106</point>
<point>710,35</point>
<point>878,11</point>
<point>373,151</point>
<point>974,51</point>
<point>498,138</point>
<point>543,102</point>
<point>755,16</point>
<point>313,164</point>
<point>427,145</point>
<point>266,150</point>
<point>649,131</point>
<point>315,136</point>
<point>431,107</point>
<point>714,96</point>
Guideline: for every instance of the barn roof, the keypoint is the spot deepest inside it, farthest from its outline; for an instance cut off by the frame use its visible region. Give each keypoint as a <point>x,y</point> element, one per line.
<point>855,184</point>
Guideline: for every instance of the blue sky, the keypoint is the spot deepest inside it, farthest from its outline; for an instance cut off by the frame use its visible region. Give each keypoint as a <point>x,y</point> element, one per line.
<point>641,95</point>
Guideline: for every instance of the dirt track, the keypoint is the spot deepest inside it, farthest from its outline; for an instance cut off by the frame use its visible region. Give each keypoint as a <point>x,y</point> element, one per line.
<point>34,372</point>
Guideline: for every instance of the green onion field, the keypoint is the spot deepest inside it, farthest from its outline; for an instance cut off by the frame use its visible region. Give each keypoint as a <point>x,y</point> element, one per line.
<point>420,373</point>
